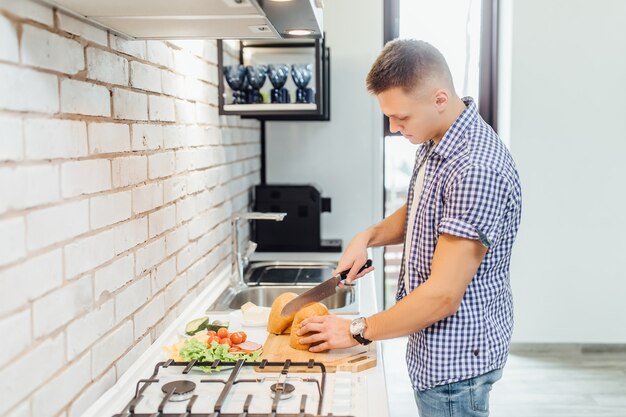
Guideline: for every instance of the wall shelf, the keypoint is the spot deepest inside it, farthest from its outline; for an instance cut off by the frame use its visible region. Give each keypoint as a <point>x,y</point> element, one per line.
<point>289,51</point>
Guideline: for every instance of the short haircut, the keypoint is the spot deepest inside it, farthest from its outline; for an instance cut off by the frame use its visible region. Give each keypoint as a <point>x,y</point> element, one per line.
<point>408,64</point>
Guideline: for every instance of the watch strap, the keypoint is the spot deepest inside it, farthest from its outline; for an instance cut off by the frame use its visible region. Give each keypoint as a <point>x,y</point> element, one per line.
<point>361,339</point>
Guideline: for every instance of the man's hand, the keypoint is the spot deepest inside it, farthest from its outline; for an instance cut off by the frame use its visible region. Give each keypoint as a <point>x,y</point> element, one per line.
<point>354,257</point>
<point>332,331</point>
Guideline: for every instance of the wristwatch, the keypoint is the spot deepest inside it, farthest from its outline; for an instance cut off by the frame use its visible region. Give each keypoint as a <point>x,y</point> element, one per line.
<point>357,328</point>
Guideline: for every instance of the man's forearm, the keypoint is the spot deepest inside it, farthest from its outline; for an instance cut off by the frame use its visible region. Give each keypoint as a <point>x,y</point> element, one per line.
<point>455,263</point>
<point>390,231</point>
<point>405,317</point>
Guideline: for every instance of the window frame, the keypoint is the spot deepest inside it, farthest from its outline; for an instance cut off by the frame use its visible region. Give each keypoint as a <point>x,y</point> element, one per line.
<point>488,61</point>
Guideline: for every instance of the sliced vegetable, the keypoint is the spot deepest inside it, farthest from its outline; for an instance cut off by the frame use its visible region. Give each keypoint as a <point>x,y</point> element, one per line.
<point>216,325</point>
<point>196,325</point>
<point>193,349</point>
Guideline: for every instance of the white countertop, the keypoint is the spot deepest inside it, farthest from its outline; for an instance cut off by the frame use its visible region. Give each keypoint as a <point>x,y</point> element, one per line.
<point>370,387</point>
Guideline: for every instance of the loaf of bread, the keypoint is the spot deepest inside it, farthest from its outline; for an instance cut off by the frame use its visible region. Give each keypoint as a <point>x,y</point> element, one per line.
<point>277,324</point>
<point>316,309</point>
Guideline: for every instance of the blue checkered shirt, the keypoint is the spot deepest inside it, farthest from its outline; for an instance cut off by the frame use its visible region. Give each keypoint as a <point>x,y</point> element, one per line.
<point>471,190</point>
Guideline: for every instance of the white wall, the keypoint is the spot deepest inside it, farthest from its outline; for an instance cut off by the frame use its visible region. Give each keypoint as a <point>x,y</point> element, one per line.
<point>117,180</point>
<point>568,137</point>
<point>343,156</point>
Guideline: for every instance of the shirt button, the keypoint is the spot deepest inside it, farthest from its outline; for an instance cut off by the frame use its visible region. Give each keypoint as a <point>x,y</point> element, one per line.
<point>475,352</point>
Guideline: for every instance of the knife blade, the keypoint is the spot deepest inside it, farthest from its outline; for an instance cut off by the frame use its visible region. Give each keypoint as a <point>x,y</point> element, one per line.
<point>319,292</point>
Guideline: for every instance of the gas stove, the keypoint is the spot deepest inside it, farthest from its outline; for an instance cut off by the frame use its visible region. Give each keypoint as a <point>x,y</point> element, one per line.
<point>236,389</point>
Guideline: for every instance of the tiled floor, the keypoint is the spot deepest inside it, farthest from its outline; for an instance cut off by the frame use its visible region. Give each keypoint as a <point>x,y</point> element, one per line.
<point>534,384</point>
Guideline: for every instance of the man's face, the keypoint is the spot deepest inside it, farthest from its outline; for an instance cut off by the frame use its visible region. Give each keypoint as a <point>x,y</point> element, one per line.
<point>415,114</point>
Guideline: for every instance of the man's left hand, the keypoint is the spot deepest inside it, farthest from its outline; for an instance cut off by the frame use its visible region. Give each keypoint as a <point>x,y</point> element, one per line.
<point>331,331</point>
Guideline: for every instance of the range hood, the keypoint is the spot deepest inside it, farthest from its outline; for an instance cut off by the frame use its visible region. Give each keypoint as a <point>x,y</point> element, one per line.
<point>200,19</point>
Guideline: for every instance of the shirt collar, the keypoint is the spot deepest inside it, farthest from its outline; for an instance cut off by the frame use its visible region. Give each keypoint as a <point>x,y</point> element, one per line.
<point>451,141</point>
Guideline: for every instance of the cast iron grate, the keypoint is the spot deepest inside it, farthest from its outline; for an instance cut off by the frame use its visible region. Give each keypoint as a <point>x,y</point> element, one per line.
<point>143,384</point>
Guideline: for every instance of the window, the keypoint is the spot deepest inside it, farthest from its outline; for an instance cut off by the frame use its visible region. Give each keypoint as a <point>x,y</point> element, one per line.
<point>463,31</point>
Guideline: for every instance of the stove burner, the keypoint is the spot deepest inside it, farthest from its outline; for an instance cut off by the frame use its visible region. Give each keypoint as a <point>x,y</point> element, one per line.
<point>286,390</point>
<point>184,389</point>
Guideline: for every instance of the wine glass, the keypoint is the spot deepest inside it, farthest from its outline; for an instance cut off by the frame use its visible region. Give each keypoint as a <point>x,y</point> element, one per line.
<point>256,77</point>
<point>235,76</point>
<point>278,74</point>
<point>301,74</point>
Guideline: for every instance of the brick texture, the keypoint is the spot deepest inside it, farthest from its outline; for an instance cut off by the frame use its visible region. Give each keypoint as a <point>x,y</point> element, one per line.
<point>118,178</point>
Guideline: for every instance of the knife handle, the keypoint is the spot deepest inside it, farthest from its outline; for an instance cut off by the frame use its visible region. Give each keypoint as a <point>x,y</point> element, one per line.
<point>344,274</point>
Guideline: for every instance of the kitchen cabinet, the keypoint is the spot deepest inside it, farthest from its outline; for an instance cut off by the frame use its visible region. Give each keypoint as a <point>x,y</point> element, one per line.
<point>252,73</point>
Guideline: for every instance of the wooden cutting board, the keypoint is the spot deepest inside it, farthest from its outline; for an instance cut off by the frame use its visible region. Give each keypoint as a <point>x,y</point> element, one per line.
<point>355,359</point>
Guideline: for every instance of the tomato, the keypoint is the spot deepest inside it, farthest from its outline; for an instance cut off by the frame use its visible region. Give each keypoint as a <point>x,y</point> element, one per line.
<point>222,333</point>
<point>244,336</point>
<point>212,339</point>
<point>236,338</point>
<point>226,341</point>
<point>211,333</point>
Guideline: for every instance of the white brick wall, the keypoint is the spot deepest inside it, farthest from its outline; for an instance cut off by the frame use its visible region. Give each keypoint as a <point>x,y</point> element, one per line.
<point>82,29</point>
<point>161,165</point>
<point>19,85</point>
<point>145,77</point>
<point>19,327</point>
<point>109,209</point>
<point>131,298</point>
<point>53,138</point>
<point>61,305</point>
<point>159,53</point>
<point>129,170</point>
<point>114,276</point>
<point>88,329</point>
<point>117,178</point>
<point>11,146</point>
<point>146,137</point>
<point>45,49</point>
<point>130,105</point>
<point>13,244</point>
<point>89,253</point>
<point>108,138</point>
<point>147,197</point>
<point>29,371</point>
<point>111,347</point>
<point>130,234</point>
<point>55,394</point>
<point>92,393</point>
<point>85,177</point>
<point>57,223</point>
<point>161,108</point>
<point>85,98</point>
<point>8,41</point>
<point>106,67</point>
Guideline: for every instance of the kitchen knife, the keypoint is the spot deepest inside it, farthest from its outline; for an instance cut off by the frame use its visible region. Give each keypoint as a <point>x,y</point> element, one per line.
<point>319,292</point>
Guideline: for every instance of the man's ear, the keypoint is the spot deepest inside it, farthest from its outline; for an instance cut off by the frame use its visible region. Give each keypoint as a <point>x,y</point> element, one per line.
<point>441,99</point>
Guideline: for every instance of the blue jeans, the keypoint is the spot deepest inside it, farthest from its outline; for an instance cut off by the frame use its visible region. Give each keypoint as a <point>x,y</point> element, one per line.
<point>468,398</point>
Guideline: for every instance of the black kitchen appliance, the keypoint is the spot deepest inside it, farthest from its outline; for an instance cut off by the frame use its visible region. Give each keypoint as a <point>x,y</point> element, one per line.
<point>300,231</point>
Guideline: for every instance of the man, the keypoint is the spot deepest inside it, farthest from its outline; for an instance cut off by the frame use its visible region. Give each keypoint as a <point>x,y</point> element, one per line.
<point>458,227</point>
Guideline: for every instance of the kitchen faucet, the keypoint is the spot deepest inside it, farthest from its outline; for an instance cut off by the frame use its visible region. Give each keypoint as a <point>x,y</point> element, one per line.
<point>241,261</point>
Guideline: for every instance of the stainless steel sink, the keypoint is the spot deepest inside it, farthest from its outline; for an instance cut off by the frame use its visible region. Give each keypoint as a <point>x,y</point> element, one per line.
<point>288,273</point>
<point>264,281</point>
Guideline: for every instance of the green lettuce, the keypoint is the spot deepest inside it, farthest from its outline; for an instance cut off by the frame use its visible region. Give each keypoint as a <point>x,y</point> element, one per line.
<point>194,349</point>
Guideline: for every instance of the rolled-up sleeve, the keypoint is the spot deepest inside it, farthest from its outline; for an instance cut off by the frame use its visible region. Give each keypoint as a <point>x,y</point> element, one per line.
<point>475,205</point>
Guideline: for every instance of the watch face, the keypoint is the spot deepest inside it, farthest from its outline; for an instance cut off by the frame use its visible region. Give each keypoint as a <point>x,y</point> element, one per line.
<point>357,326</point>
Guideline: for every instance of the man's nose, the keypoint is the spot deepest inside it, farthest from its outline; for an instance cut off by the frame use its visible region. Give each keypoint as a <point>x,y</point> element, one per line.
<point>394,127</point>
